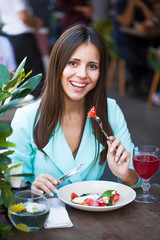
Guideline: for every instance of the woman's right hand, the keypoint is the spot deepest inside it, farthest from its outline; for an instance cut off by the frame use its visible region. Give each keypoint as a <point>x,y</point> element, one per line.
<point>45,183</point>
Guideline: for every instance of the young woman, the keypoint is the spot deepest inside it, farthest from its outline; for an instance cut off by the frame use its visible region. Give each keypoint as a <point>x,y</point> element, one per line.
<point>53,135</point>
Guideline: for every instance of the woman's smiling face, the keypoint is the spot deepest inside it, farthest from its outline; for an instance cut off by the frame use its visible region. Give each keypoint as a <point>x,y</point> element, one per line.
<point>81,73</point>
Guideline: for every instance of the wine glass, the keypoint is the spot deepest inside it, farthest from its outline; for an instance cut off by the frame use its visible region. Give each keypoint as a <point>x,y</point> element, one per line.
<point>146,162</point>
<point>28,210</point>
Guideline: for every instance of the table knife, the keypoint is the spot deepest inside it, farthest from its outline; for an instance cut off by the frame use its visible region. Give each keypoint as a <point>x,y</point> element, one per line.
<point>70,174</point>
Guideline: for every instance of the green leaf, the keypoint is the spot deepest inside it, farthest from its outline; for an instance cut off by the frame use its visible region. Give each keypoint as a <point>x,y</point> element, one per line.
<point>7,228</point>
<point>5,129</point>
<point>6,192</point>
<point>6,153</point>
<point>14,83</point>
<point>21,175</point>
<point>33,82</point>
<point>84,194</point>
<point>4,160</point>
<point>4,75</point>
<point>27,87</point>
<point>1,175</point>
<point>5,231</point>
<point>1,202</point>
<point>19,69</point>
<point>14,166</point>
<point>6,144</point>
<point>111,203</point>
<point>7,195</point>
<point>20,93</point>
<point>10,105</point>
<point>4,96</point>
<point>3,168</point>
<point>27,74</point>
<point>9,84</point>
<point>109,193</point>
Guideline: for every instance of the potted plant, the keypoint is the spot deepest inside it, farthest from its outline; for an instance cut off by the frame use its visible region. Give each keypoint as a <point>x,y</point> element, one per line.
<point>12,93</point>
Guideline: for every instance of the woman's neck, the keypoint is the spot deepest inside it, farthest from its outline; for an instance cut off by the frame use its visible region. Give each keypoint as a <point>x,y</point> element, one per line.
<point>73,108</point>
<point>72,124</point>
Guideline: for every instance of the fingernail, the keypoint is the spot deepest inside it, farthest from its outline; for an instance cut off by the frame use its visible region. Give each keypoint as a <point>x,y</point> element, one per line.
<point>119,162</point>
<point>51,194</point>
<point>55,190</point>
<point>55,182</point>
<point>116,159</point>
<point>40,191</point>
<point>111,149</point>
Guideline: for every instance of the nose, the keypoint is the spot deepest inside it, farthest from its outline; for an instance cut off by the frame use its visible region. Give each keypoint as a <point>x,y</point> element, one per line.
<point>81,72</point>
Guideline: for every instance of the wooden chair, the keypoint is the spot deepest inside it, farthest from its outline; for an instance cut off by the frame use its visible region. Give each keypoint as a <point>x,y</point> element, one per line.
<point>153,56</point>
<point>116,65</point>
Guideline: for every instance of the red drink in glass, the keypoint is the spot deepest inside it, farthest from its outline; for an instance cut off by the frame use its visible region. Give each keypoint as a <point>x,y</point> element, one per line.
<point>146,162</point>
<point>146,165</point>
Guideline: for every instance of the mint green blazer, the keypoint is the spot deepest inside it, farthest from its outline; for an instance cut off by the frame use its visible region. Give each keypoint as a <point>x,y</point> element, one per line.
<point>59,159</point>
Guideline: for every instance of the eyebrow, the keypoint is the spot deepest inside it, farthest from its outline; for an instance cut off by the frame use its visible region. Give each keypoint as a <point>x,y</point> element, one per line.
<point>77,59</point>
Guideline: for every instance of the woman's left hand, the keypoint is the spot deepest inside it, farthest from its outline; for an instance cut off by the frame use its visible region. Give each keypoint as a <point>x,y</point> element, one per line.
<point>118,158</point>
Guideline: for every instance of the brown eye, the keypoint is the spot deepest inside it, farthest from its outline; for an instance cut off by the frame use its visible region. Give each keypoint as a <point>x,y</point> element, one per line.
<point>73,63</point>
<point>93,66</point>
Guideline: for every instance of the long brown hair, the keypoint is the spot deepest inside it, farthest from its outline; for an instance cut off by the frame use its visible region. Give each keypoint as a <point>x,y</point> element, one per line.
<point>51,106</point>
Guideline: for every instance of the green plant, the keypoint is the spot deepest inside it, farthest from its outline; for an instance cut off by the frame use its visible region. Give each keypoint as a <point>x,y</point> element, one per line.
<point>4,231</point>
<point>153,56</point>
<point>12,93</point>
<point>105,29</point>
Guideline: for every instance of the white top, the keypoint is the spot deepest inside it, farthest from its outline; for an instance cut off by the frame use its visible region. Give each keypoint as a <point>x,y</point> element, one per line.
<point>9,16</point>
<point>7,56</point>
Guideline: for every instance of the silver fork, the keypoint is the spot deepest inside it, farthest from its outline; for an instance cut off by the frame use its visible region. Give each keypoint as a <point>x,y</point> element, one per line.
<point>99,121</point>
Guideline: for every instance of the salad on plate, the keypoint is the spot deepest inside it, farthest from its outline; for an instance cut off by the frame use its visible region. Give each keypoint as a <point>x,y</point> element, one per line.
<point>107,198</point>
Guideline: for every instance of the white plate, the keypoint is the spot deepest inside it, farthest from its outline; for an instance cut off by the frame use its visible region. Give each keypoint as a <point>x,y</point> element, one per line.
<point>127,194</point>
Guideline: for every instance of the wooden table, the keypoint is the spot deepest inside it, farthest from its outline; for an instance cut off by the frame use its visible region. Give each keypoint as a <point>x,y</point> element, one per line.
<point>139,33</point>
<point>135,221</point>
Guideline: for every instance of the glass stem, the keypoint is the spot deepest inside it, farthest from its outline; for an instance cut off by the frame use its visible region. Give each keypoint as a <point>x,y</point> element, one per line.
<point>145,186</point>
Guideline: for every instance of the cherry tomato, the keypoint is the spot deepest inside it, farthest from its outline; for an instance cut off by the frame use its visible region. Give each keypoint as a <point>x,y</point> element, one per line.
<point>100,202</point>
<point>74,195</point>
<point>92,112</point>
<point>91,202</point>
<point>115,197</point>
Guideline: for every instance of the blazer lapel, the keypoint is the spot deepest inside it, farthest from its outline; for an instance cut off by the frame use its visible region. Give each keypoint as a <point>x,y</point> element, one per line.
<point>86,151</point>
<point>59,152</point>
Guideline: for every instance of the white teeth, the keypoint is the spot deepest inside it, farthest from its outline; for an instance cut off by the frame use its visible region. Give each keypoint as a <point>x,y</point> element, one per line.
<point>78,84</point>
